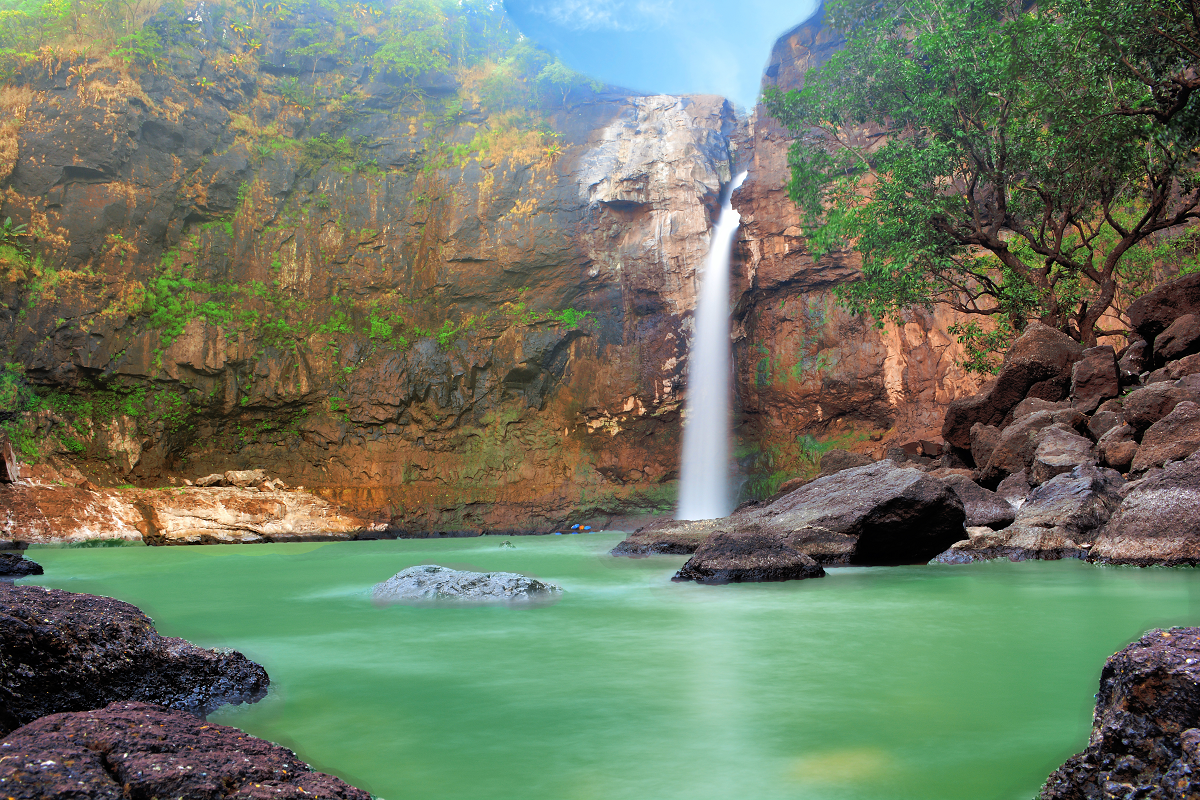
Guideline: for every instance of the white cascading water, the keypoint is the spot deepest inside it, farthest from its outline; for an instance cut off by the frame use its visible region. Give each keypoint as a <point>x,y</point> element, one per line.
<point>704,484</point>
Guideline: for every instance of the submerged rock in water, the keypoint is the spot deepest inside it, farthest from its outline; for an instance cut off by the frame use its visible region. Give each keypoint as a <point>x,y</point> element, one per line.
<point>431,582</point>
<point>142,750</point>
<point>1145,738</point>
<point>61,651</point>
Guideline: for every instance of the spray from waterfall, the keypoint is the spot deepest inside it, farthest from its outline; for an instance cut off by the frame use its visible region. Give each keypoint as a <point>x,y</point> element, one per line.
<point>705,490</point>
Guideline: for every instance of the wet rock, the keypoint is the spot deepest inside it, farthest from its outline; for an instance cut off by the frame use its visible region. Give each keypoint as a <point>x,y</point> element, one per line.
<point>1038,365</point>
<point>1145,739</point>
<point>669,537</point>
<point>1014,489</point>
<point>131,749</point>
<point>1158,521</point>
<point>10,470</point>
<point>1173,438</point>
<point>1181,338</point>
<point>1059,449</point>
<point>1059,519</point>
<point>15,565</point>
<point>61,651</point>
<point>1018,443</point>
<point>1118,447</point>
<point>838,460</point>
<point>1095,378</point>
<point>984,439</point>
<point>431,582</point>
<point>748,556</point>
<point>1146,406</point>
<point>1153,312</point>
<point>983,508</point>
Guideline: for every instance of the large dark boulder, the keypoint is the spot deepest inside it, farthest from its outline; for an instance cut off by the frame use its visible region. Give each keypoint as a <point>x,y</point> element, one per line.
<point>1018,443</point>
<point>15,565</point>
<point>1095,378</point>
<point>1153,312</point>
<point>1059,449</point>
<point>881,513</point>
<point>61,651</point>
<point>984,439</point>
<point>1037,365</point>
<point>1173,438</point>
<point>1146,406</point>
<point>1059,519</point>
<point>1157,522</point>
<point>1118,448</point>
<point>668,537</point>
<point>748,556</point>
<point>1145,740</point>
<point>1181,338</point>
<point>838,460</point>
<point>983,508</point>
<point>139,750</point>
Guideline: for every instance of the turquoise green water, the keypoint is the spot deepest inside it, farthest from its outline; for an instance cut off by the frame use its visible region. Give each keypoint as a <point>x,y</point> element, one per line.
<point>929,682</point>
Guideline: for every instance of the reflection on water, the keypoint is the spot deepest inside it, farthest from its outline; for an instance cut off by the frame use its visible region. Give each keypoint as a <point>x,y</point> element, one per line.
<point>929,683</point>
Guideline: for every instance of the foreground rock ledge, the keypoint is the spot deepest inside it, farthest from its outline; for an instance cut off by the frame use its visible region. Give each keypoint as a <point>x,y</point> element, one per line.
<point>61,651</point>
<point>141,750</point>
<point>431,582</point>
<point>1145,738</point>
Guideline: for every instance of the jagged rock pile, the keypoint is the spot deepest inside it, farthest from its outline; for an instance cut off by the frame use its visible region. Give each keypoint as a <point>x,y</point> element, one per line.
<point>143,750</point>
<point>61,651</point>
<point>1145,738</point>
<point>1069,453</point>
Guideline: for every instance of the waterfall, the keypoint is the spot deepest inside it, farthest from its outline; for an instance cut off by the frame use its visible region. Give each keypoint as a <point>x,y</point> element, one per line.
<point>704,485</point>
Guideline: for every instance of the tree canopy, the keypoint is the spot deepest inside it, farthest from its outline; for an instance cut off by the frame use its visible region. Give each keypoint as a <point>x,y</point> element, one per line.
<point>1011,162</point>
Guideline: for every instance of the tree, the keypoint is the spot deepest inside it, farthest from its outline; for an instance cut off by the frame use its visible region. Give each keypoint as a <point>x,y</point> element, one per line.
<point>1001,161</point>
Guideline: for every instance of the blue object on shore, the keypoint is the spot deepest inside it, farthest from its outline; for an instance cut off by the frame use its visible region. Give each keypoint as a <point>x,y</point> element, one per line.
<point>558,533</point>
<point>587,527</point>
<point>576,525</point>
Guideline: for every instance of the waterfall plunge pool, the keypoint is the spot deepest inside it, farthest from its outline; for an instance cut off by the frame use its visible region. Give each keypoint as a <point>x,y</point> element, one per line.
<point>888,683</point>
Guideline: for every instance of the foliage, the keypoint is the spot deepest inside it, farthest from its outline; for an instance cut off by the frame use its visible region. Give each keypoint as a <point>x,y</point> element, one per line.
<point>981,156</point>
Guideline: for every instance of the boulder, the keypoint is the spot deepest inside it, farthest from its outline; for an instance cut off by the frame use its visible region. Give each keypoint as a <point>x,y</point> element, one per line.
<point>1102,422</point>
<point>1118,447</point>
<point>1018,443</point>
<point>1037,365</point>
<point>1174,370</point>
<point>838,460</point>
<point>984,439</point>
<point>61,651</point>
<point>1014,489</point>
<point>1135,359</point>
<point>1145,739</point>
<point>130,749</point>
<point>1181,338</point>
<point>1059,449</point>
<point>1146,406</point>
<point>1095,378</point>
<point>1173,438</point>
<point>983,508</point>
<point>748,556</point>
<point>1157,522</point>
<point>1153,312</point>
<point>210,480</point>
<point>10,470</point>
<point>1059,519</point>
<point>15,565</point>
<point>1031,405</point>
<point>880,513</point>
<point>431,582</point>
<point>668,537</point>
<point>245,477</point>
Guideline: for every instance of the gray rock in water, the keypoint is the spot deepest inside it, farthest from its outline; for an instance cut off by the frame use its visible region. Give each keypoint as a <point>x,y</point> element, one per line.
<point>431,582</point>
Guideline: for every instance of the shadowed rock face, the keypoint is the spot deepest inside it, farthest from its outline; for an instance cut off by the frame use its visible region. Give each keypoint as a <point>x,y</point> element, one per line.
<point>61,651</point>
<point>142,750</point>
<point>1145,738</point>
<point>748,557</point>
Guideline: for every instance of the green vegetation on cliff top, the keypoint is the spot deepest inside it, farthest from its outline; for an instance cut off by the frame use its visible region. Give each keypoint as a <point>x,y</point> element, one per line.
<point>1012,164</point>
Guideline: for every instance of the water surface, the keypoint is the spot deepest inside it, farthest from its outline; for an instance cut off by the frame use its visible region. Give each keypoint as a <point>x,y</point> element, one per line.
<point>927,682</point>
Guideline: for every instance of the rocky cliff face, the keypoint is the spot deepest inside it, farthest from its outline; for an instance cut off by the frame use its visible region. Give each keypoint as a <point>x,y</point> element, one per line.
<point>804,364</point>
<point>434,316</point>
